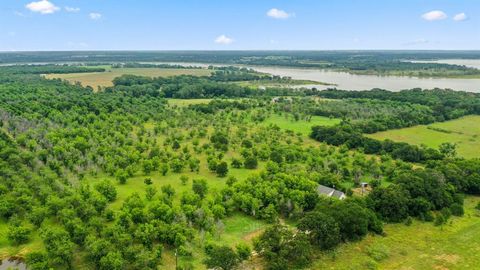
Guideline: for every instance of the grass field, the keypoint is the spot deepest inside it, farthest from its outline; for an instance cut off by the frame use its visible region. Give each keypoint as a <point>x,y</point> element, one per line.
<point>465,132</point>
<point>420,246</point>
<point>300,126</point>
<point>186,102</point>
<point>95,79</point>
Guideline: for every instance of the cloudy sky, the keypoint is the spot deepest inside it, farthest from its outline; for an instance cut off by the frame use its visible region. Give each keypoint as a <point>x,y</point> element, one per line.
<point>238,24</point>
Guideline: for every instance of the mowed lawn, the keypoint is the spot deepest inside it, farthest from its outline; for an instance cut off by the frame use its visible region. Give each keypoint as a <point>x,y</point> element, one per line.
<point>300,126</point>
<point>465,132</point>
<point>95,79</point>
<point>420,246</point>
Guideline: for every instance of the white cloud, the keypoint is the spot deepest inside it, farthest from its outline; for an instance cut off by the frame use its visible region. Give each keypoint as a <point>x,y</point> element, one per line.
<point>278,14</point>
<point>72,9</point>
<point>223,40</point>
<point>42,7</point>
<point>460,17</point>
<point>434,15</point>
<point>95,16</point>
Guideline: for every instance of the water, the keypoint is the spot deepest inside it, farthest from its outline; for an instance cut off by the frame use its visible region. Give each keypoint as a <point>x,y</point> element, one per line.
<point>347,81</point>
<point>11,264</point>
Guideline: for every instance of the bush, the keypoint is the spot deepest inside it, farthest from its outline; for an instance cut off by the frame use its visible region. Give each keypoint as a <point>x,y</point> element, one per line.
<point>457,210</point>
<point>378,252</point>
<point>243,251</point>
<point>107,189</point>
<point>251,162</point>
<point>18,234</point>
<point>222,257</point>
<point>439,219</point>
<point>408,221</point>
<point>184,179</point>
<point>222,169</point>
<point>37,261</point>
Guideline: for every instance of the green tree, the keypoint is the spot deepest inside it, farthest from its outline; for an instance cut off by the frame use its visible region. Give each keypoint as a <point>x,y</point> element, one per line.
<point>112,261</point>
<point>37,260</point>
<point>221,257</point>
<point>58,245</point>
<point>283,249</point>
<point>200,187</point>
<point>222,169</point>
<point>250,162</point>
<point>18,234</point>
<point>448,149</point>
<point>107,189</point>
<point>323,230</point>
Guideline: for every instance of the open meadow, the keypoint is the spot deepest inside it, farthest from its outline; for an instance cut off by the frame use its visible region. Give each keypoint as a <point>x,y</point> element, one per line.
<point>420,246</point>
<point>465,132</point>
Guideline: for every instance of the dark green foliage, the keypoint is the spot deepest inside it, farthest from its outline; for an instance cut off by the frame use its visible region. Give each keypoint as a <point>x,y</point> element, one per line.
<point>199,186</point>
<point>58,245</point>
<point>222,169</point>
<point>250,162</point>
<point>283,249</point>
<point>18,234</point>
<point>323,230</point>
<point>221,257</point>
<point>244,251</point>
<point>415,193</point>
<point>354,219</point>
<point>107,189</point>
<point>37,261</point>
<point>391,203</point>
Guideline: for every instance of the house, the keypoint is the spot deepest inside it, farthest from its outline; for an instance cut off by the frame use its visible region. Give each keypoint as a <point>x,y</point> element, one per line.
<point>330,192</point>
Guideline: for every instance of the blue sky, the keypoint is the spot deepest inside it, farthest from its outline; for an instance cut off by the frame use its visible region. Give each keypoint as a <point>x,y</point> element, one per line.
<point>238,24</point>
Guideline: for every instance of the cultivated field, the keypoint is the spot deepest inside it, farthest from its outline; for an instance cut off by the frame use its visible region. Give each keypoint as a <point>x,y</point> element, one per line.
<point>465,132</point>
<point>420,246</point>
<point>96,79</point>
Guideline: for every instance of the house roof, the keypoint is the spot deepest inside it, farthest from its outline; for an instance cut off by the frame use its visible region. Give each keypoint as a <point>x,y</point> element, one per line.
<point>338,194</point>
<point>330,192</point>
<point>325,190</point>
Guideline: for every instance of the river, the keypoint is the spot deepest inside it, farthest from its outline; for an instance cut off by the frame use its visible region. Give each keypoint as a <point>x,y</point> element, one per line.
<point>347,81</point>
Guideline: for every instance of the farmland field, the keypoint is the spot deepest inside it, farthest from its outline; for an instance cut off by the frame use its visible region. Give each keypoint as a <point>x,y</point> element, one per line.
<point>96,79</point>
<point>464,132</point>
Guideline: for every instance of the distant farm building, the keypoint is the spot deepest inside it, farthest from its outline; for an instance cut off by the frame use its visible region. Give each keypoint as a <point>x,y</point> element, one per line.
<point>330,192</point>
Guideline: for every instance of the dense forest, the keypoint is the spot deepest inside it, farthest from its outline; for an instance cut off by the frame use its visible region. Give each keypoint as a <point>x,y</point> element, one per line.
<point>67,153</point>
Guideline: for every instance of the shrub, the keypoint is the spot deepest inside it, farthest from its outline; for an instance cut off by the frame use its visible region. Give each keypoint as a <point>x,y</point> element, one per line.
<point>243,251</point>
<point>457,210</point>
<point>378,252</point>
